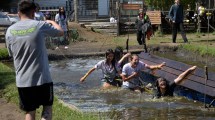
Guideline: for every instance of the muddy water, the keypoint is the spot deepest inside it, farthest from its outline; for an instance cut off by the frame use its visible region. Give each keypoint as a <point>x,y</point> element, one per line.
<point>117,103</point>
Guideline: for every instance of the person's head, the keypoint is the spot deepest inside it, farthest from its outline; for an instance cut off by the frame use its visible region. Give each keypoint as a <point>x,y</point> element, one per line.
<point>141,15</point>
<point>134,60</point>
<point>61,10</point>
<point>109,55</point>
<point>161,83</point>
<point>26,8</point>
<point>177,1</point>
<point>118,53</point>
<point>48,15</point>
<point>37,7</point>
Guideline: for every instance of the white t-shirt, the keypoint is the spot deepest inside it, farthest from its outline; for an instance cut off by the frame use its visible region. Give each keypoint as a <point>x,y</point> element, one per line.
<point>39,16</point>
<point>127,70</point>
<point>61,21</point>
<point>108,71</point>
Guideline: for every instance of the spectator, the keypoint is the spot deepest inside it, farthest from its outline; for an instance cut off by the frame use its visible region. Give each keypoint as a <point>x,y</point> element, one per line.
<point>142,24</point>
<point>176,14</point>
<point>61,19</point>
<point>26,44</point>
<point>38,15</point>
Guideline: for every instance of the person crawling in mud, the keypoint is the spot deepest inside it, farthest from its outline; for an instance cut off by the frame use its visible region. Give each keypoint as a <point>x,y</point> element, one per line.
<point>165,89</point>
<point>109,70</point>
<point>131,71</point>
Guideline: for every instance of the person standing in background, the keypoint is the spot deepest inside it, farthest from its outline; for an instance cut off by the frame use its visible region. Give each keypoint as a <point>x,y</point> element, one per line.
<point>38,15</point>
<point>176,15</point>
<point>25,41</point>
<point>61,19</point>
<point>141,25</point>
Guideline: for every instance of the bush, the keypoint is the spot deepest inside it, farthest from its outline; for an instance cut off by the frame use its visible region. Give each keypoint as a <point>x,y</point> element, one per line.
<point>3,53</point>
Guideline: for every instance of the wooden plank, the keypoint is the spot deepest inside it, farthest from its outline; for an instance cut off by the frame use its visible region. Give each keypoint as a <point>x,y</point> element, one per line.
<point>175,64</point>
<point>155,17</point>
<point>173,68</point>
<point>131,6</point>
<point>189,84</point>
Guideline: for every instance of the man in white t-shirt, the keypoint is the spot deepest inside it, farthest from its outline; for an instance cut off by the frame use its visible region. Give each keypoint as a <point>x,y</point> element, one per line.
<point>131,71</point>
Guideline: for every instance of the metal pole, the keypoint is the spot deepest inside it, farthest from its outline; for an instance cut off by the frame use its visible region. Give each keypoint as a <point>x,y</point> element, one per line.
<point>209,4</point>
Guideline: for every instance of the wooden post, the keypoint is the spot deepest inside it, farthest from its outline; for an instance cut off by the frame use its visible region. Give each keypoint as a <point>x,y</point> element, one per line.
<point>118,16</point>
<point>76,10</point>
<point>143,5</point>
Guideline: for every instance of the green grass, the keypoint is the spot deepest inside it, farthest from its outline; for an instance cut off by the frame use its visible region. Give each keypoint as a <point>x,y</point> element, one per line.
<point>8,91</point>
<point>202,49</point>
<point>3,53</point>
<point>202,43</point>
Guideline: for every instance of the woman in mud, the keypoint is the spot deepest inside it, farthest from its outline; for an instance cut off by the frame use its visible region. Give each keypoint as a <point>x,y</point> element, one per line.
<point>61,19</point>
<point>165,89</point>
<point>108,68</point>
<point>121,59</point>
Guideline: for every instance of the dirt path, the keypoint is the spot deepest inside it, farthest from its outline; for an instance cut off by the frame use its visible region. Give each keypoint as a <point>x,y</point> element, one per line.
<point>9,111</point>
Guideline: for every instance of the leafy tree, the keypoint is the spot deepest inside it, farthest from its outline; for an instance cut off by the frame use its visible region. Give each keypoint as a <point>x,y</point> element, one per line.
<point>166,4</point>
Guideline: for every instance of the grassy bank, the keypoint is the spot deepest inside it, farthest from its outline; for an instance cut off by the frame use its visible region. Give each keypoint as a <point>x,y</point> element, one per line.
<point>9,92</point>
<point>201,43</point>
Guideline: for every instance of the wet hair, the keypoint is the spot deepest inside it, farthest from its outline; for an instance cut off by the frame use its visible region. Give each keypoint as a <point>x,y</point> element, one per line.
<point>157,83</point>
<point>117,53</point>
<point>60,13</point>
<point>132,56</point>
<point>26,7</point>
<point>109,51</point>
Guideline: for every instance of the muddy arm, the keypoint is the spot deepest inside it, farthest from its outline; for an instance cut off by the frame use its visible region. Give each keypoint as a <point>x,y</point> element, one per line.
<point>124,78</point>
<point>159,66</point>
<point>124,57</point>
<point>185,75</point>
<point>87,74</point>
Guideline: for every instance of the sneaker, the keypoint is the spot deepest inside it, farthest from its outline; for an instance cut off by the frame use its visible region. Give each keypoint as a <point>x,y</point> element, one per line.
<point>66,47</point>
<point>56,48</point>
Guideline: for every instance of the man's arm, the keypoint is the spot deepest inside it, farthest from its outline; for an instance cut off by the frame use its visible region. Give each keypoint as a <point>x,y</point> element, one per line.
<point>124,78</point>
<point>171,13</point>
<point>55,25</point>
<point>159,66</point>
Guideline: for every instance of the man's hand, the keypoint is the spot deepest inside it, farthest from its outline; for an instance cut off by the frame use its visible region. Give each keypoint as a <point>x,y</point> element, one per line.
<point>135,74</point>
<point>161,65</point>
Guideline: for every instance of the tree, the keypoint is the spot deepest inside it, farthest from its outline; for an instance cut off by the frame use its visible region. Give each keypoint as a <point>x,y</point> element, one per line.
<point>165,4</point>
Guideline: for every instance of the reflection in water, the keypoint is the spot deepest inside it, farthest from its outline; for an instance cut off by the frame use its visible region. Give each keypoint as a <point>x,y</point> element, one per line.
<point>116,103</point>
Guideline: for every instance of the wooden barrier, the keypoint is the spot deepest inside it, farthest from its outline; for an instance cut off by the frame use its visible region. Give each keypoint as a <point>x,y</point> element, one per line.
<point>131,6</point>
<point>196,81</point>
<point>155,17</point>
